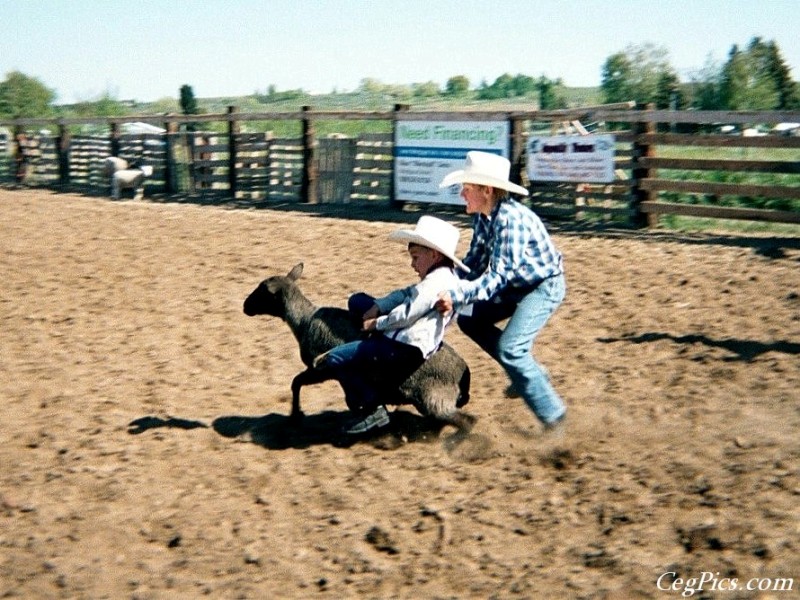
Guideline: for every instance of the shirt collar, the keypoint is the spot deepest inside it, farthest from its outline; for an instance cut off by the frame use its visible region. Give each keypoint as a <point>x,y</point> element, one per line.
<point>488,219</point>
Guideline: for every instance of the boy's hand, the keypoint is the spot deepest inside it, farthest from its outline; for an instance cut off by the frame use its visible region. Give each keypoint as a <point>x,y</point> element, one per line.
<point>369,324</point>
<point>444,304</point>
<point>372,313</point>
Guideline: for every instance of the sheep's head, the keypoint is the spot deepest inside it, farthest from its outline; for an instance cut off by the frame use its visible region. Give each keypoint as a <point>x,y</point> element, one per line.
<point>269,298</point>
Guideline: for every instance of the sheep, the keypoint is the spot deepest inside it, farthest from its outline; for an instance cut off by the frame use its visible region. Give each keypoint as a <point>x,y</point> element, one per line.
<point>112,164</point>
<point>436,389</point>
<point>132,178</point>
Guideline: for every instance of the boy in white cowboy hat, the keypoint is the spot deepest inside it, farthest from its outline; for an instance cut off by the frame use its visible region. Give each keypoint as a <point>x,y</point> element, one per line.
<point>409,328</point>
<point>517,273</point>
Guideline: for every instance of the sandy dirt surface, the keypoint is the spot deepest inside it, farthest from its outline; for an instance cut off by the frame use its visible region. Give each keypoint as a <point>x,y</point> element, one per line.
<point>145,450</point>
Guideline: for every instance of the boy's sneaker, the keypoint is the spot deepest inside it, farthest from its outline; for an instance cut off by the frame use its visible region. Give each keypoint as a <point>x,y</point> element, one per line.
<point>377,419</point>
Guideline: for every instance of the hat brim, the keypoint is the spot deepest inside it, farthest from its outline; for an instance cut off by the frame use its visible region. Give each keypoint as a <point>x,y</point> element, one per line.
<point>410,237</point>
<point>461,177</point>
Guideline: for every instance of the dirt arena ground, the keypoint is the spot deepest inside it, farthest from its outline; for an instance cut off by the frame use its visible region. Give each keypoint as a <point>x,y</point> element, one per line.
<point>146,454</point>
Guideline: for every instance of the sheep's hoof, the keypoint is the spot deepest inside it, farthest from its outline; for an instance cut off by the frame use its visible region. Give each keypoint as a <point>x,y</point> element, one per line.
<point>463,422</point>
<point>296,418</point>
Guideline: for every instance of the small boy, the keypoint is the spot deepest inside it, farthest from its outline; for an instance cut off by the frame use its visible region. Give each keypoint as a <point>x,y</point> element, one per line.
<point>409,328</point>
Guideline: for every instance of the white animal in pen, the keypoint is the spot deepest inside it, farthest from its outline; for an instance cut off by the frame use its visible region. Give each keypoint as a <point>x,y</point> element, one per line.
<point>130,179</point>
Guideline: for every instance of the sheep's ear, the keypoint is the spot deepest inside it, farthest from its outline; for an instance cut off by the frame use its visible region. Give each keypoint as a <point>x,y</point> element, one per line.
<point>296,272</point>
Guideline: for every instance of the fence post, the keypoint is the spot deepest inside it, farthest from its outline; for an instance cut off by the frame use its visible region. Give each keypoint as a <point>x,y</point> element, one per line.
<point>170,163</point>
<point>233,130</point>
<point>115,145</point>
<point>308,187</point>
<point>63,149</point>
<point>393,201</point>
<point>641,149</point>
<point>517,143</point>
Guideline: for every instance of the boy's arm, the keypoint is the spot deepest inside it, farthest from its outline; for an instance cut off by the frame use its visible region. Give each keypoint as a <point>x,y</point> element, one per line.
<point>418,302</point>
<point>392,299</point>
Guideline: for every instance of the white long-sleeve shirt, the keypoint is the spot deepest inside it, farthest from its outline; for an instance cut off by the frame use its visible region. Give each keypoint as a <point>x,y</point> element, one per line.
<point>408,315</point>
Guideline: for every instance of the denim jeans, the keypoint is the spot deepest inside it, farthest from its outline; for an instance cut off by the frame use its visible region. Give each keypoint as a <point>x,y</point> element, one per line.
<point>511,347</point>
<point>371,369</point>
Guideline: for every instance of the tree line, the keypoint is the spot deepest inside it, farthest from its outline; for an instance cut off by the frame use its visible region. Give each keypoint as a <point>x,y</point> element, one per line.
<point>754,77</point>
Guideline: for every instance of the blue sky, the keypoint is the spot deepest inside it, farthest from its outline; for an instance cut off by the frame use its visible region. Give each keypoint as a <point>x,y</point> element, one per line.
<point>147,49</point>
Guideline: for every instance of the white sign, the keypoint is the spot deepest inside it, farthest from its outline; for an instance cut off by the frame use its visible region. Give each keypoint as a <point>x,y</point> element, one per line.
<point>579,158</point>
<point>426,151</point>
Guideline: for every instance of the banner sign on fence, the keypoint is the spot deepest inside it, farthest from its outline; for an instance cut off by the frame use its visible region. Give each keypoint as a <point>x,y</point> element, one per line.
<point>578,158</point>
<point>426,151</point>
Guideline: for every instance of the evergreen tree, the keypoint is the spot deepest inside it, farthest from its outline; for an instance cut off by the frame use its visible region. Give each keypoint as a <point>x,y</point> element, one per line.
<point>189,105</point>
<point>188,101</point>
<point>777,69</point>
<point>746,83</point>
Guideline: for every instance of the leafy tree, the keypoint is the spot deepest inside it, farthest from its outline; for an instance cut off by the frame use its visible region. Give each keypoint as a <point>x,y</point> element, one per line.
<point>501,88</point>
<point>549,96</point>
<point>507,86</point>
<point>641,73</point>
<point>668,91</point>
<point>370,85</point>
<point>24,96</point>
<point>429,89</point>
<point>457,86</point>
<point>616,79</point>
<point>704,87</point>
<point>523,85</point>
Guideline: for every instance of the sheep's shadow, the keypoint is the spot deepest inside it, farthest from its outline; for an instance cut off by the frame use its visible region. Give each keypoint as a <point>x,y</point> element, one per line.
<point>279,432</point>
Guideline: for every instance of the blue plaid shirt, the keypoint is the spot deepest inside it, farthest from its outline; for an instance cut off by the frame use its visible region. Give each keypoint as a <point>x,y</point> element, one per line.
<point>510,249</point>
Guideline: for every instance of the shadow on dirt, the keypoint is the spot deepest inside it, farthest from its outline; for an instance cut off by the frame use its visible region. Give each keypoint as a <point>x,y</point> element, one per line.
<point>278,432</point>
<point>146,423</point>
<point>744,350</point>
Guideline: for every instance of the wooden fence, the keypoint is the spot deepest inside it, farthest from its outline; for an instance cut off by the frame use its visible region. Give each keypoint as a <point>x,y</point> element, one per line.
<point>667,162</point>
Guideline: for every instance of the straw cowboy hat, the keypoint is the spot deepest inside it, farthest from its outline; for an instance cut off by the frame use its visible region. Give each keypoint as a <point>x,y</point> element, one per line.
<point>484,168</point>
<point>432,233</point>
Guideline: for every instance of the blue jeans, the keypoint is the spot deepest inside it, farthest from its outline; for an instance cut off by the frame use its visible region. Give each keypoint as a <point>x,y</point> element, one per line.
<point>371,369</point>
<point>511,347</point>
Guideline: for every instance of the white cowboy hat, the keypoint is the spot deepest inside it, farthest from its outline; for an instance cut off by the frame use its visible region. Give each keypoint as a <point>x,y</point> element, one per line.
<point>432,233</point>
<point>484,168</point>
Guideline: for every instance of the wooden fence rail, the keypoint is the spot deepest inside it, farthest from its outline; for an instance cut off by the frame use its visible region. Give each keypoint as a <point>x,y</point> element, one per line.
<point>667,162</point>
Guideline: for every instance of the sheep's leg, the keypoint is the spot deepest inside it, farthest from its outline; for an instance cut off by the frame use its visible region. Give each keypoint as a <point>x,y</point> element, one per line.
<point>439,403</point>
<point>307,377</point>
<point>461,421</point>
